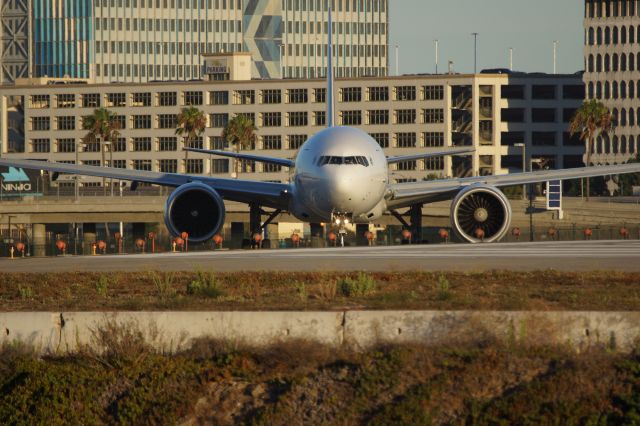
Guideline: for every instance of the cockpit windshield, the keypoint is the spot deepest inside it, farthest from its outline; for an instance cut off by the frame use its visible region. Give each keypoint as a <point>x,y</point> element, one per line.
<point>356,159</point>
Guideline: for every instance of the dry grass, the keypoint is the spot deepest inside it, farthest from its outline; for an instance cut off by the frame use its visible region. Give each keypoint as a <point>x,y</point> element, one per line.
<point>546,290</point>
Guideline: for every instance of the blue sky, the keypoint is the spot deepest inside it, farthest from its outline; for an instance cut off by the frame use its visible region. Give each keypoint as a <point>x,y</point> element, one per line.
<point>530,27</point>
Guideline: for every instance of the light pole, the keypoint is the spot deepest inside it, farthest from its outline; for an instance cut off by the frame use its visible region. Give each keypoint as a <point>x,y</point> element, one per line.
<point>524,166</point>
<point>397,62</point>
<point>475,52</point>
<point>77,185</point>
<point>110,145</point>
<point>282,59</point>
<point>436,42</point>
<point>555,54</point>
<point>511,59</point>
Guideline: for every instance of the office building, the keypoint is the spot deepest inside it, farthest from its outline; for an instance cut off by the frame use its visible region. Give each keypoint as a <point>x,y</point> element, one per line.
<point>147,40</point>
<point>612,73</point>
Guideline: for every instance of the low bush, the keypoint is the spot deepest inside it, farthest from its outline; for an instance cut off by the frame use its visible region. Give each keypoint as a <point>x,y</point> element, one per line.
<point>206,285</point>
<point>362,285</point>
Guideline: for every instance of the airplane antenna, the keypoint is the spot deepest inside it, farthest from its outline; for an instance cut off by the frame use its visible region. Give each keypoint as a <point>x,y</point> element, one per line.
<point>330,102</point>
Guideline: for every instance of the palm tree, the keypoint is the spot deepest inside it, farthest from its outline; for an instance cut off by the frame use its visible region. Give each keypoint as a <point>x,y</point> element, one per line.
<point>191,124</point>
<point>239,131</point>
<point>103,125</point>
<point>590,120</point>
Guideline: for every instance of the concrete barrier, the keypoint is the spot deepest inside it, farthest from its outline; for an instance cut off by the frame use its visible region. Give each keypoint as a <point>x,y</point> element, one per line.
<point>54,332</point>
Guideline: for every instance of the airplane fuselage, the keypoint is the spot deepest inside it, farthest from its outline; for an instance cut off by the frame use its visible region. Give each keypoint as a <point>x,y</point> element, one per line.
<point>340,172</point>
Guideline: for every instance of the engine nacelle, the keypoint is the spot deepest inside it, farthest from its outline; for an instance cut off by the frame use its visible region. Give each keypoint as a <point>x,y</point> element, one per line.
<point>481,213</point>
<point>194,208</point>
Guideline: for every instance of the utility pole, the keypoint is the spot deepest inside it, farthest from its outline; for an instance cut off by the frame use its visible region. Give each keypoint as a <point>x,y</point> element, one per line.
<point>475,52</point>
<point>436,42</point>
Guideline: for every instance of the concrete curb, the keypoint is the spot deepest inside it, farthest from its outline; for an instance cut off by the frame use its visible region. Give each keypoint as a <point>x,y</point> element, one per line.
<point>55,332</point>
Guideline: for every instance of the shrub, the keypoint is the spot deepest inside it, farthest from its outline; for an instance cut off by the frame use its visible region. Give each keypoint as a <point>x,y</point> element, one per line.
<point>25,292</point>
<point>443,288</point>
<point>163,283</point>
<point>102,285</point>
<point>205,285</point>
<point>362,285</point>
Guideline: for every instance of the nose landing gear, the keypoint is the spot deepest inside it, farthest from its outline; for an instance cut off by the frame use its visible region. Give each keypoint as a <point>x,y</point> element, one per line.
<point>340,220</point>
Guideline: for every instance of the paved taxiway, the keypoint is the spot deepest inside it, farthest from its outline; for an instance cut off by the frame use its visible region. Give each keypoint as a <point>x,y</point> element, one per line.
<point>565,256</point>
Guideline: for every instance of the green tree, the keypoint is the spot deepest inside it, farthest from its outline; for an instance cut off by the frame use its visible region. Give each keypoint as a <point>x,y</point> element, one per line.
<point>590,120</point>
<point>103,126</point>
<point>191,124</point>
<point>240,132</point>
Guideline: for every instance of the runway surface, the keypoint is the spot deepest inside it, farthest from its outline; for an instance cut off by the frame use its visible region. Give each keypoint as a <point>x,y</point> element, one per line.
<point>564,256</point>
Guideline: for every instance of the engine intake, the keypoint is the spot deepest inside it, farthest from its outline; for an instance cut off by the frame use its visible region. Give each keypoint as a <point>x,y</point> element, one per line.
<point>481,213</point>
<point>194,208</point>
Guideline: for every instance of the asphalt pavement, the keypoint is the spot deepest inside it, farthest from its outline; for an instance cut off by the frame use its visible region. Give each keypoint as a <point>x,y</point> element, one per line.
<point>565,256</point>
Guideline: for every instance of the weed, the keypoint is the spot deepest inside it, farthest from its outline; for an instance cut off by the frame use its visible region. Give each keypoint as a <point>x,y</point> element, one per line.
<point>26,292</point>
<point>102,285</point>
<point>163,283</point>
<point>327,289</point>
<point>205,285</point>
<point>444,292</point>
<point>362,285</point>
<point>301,289</point>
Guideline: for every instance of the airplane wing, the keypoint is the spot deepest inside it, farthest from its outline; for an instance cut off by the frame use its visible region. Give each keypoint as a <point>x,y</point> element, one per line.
<point>269,194</point>
<point>406,194</point>
<point>453,151</point>
<point>261,159</point>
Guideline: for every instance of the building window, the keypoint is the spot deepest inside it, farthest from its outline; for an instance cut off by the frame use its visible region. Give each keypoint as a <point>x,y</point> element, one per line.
<point>167,99</point>
<point>381,138</point>
<point>220,97</point>
<point>142,144</point>
<point>407,165</point>
<point>244,97</point>
<point>378,94</point>
<point>197,143</point>
<point>219,120</point>
<point>141,99</point>
<point>320,95</point>
<point>219,166</point>
<point>141,121</point>
<point>116,100</point>
<point>512,91</point>
<point>167,144</point>
<point>543,138</point>
<point>432,139</point>
<point>66,145</point>
<point>40,101</point>
<point>320,118</point>
<point>512,115</point>
<point>271,119</point>
<point>40,145</point>
<point>168,166</point>
<point>298,96</point>
<point>91,100</point>
<point>433,93</point>
<point>296,141</point>
<point>434,163</point>
<point>217,142</point>
<point>272,168</point>
<point>67,100</point>
<point>40,123</point>
<point>271,96</point>
<point>120,164</point>
<point>543,115</point>
<point>92,146</point>
<point>406,140</point>
<point>297,118</point>
<point>543,92</point>
<point>120,145</point>
<point>193,98</point>
<point>66,122</point>
<point>405,93</point>
<point>194,166</point>
<point>142,165</point>
<point>352,94</point>
<point>351,118</point>
<point>380,116</point>
<point>272,142</point>
<point>167,121</point>
<point>406,116</point>
<point>431,116</point>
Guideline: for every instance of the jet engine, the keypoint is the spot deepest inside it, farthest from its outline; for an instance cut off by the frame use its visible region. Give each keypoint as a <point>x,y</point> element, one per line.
<point>481,213</point>
<point>194,208</point>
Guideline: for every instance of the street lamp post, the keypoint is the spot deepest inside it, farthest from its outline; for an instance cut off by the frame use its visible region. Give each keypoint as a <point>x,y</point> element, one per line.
<point>436,41</point>
<point>475,52</point>
<point>77,184</point>
<point>110,145</point>
<point>524,166</point>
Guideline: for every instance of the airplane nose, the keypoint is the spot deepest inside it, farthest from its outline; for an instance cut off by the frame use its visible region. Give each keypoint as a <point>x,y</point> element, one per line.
<point>341,192</point>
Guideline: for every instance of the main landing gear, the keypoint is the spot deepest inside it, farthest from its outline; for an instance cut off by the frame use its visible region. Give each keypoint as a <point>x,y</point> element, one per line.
<point>255,219</point>
<point>414,226</point>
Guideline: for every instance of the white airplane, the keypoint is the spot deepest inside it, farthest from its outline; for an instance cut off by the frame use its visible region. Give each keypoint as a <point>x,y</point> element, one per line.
<point>340,175</point>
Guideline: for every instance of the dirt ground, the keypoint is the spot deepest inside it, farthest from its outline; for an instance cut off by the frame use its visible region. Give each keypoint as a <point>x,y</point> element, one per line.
<point>203,290</point>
